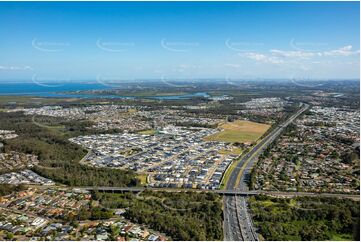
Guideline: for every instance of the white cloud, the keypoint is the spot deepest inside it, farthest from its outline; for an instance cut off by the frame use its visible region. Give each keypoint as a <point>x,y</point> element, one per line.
<point>343,51</point>
<point>297,57</point>
<point>262,58</point>
<point>296,54</point>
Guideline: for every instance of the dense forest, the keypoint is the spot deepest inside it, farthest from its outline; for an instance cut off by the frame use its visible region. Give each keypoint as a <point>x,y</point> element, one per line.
<point>45,142</point>
<point>182,216</point>
<point>6,189</point>
<point>306,218</point>
<point>75,174</point>
<point>47,138</point>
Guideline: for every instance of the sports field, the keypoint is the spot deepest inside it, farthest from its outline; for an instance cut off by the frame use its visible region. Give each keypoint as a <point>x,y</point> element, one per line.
<point>239,131</point>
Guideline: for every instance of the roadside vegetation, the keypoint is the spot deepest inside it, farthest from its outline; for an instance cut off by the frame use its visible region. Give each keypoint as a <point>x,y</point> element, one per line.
<point>230,169</point>
<point>306,218</point>
<point>182,216</point>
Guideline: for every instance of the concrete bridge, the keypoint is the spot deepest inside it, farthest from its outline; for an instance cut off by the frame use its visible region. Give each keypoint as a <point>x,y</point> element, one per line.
<point>222,192</point>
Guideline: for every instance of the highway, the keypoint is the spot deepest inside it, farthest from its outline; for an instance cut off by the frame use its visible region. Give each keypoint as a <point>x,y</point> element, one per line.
<point>238,181</point>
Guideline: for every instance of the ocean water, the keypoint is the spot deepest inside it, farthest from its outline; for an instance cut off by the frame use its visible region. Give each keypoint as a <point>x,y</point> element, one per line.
<point>59,90</point>
<point>33,88</point>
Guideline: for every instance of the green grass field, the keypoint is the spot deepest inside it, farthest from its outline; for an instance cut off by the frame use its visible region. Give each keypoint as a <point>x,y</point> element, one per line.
<point>142,178</point>
<point>25,100</point>
<point>227,174</point>
<point>342,237</point>
<point>233,151</point>
<point>229,171</point>
<point>148,132</point>
<point>239,131</point>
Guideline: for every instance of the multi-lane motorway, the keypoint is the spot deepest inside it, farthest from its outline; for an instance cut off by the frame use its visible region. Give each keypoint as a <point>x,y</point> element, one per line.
<point>237,221</point>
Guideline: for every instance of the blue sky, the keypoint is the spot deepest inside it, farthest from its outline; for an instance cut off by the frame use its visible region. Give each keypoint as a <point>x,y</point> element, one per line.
<point>185,40</point>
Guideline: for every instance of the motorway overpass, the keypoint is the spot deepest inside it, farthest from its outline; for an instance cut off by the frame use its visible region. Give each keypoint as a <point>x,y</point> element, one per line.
<point>237,182</point>
<point>222,192</point>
